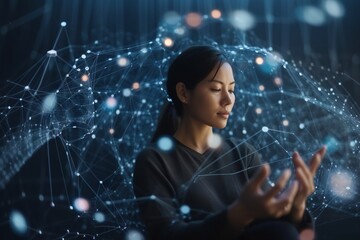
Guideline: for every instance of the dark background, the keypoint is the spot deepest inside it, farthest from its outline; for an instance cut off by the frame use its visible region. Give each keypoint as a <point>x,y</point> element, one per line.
<point>28,29</point>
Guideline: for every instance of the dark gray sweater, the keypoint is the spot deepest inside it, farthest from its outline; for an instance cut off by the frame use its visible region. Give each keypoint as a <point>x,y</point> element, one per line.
<point>183,194</point>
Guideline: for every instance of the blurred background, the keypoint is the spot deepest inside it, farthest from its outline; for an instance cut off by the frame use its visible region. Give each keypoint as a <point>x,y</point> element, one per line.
<point>325,33</point>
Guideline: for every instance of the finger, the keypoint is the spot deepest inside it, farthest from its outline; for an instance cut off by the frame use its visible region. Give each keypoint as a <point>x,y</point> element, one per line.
<point>316,160</point>
<point>299,163</point>
<point>260,176</point>
<point>286,199</point>
<point>306,185</point>
<point>280,184</point>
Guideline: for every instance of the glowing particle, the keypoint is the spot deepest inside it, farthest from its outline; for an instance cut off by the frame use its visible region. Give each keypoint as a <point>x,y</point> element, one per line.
<point>165,143</point>
<point>152,197</point>
<point>301,126</point>
<point>49,103</point>
<point>341,183</point>
<point>259,60</point>
<point>172,18</point>
<point>214,141</point>
<point>99,217</point>
<point>168,42</point>
<point>85,78</point>
<point>136,86</point>
<point>311,15</point>
<point>216,14</point>
<point>278,81</point>
<point>18,222</point>
<point>111,131</point>
<point>123,61</point>
<point>83,56</point>
<point>334,8</point>
<point>285,122</point>
<point>179,31</point>
<point>52,53</point>
<point>185,209</point>
<point>332,144</point>
<point>81,204</point>
<point>258,110</point>
<point>93,136</point>
<point>193,19</point>
<point>26,87</point>
<point>261,87</point>
<point>126,92</point>
<point>111,102</point>
<point>134,235</point>
<point>63,24</point>
<point>265,129</point>
<point>242,20</point>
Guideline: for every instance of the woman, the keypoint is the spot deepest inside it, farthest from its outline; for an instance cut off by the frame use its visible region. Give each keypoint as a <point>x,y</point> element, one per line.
<point>193,191</point>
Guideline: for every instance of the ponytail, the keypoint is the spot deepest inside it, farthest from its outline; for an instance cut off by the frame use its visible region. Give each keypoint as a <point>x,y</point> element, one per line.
<point>167,123</point>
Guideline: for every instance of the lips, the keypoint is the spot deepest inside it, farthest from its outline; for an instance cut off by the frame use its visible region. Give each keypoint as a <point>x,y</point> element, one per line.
<point>224,114</point>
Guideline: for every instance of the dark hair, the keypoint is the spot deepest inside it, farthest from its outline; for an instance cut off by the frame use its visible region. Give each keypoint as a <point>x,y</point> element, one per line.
<point>191,67</point>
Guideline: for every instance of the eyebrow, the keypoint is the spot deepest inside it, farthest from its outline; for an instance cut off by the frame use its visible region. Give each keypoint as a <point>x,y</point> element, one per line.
<point>215,80</point>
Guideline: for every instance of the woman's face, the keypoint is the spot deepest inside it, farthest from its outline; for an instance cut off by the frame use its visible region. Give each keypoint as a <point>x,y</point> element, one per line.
<point>213,98</point>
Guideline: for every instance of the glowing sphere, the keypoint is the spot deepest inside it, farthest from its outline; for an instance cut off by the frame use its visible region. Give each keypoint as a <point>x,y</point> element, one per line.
<point>111,131</point>
<point>85,78</point>
<point>311,15</point>
<point>334,8</point>
<point>193,19</point>
<point>168,42</point>
<point>278,81</point>
<point>285,123</point>
<point>18,222</point>
<point>134,235</point>
<point>165,143</point>
<point>126,92</point>
<point>214,141</point>
<point>342,185</point>
<point>258,110</point>
<point>49,103</point>
<point>63,24</point>
<point>111,102</point>
<point>99,217</point>
<point>259,60</point>
<point>242,20</point>
<point>81,204</point>
<point>216,14</point>
<point>136,86</point>
<point>185,209</point>
<point>261,87</point>
<point>265,129</point>
<point>123,61</point>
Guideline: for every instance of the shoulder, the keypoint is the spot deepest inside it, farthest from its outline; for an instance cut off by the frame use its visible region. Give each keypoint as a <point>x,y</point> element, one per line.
<point>240,144</point>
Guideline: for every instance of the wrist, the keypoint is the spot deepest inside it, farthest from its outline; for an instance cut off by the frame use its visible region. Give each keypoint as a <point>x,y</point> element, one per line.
<point>237,216</point>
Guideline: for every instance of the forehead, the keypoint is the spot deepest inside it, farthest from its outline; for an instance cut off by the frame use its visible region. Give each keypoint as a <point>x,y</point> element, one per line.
<point>223,73</point>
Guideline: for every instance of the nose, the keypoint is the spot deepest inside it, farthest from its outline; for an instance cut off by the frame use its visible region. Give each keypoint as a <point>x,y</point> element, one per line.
<point>226,99</point>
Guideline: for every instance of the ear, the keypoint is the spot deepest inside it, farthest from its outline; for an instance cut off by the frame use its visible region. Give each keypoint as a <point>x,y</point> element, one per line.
<point>182,93</point>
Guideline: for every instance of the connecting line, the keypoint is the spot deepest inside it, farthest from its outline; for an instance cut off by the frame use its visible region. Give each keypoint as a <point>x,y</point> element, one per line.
<point>216,160</point>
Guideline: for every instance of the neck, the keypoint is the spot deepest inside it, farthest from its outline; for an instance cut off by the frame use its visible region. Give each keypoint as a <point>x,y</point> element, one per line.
<point>193,134</point>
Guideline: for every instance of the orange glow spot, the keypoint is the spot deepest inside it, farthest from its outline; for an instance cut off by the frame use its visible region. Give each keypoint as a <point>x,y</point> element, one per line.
<point>136,85</point>
<point>193,19</point>
<point>168,42</point>
<point>85,78</point>
<point>259,60</point>
<point>216,14</point>
<point>123,62</point>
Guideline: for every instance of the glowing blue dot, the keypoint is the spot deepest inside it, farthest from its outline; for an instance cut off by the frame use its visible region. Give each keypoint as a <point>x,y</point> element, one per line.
<point>52,53</point>
<point>99,217</point>
<point>83,56</point>
<point>111,102</point>
<point>18,222</point>
<point>301,126</point>
<point>311,15</point>
<point>126,92</point>
<point>265,129</point>
<point>49,103</point>
<point>334,8</point>
<point>134,235</point>
<point>242,20</point>
<point>165,143</point>
<point>63,24</point>
<point>152,197</point>
<point>185,209</point>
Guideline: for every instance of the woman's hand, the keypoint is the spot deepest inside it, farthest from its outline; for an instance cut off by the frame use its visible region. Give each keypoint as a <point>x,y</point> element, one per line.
<point>305,176</point>
<point>254,203</point>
